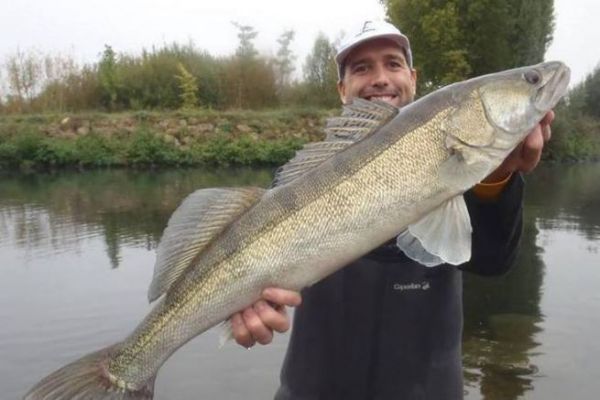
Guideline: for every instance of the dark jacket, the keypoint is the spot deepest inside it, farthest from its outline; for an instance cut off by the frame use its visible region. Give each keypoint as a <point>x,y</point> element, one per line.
<point>386,327</point>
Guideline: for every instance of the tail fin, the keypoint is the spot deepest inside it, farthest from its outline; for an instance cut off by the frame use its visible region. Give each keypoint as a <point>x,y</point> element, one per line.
<point>87,379</point>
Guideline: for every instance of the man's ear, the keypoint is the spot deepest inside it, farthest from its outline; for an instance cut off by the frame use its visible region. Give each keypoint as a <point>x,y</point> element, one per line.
<point>414,75</point>
<point>341,88</point>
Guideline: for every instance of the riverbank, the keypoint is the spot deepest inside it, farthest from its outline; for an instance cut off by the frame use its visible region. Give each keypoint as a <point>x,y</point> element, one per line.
<point>199,137</point>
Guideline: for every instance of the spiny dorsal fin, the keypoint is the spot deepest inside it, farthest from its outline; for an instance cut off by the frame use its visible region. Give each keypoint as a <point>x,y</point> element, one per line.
<point>199,218</point>
<point>358,120</point>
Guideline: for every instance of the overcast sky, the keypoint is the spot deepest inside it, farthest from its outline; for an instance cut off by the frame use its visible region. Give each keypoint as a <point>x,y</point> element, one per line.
<point>81,28</point>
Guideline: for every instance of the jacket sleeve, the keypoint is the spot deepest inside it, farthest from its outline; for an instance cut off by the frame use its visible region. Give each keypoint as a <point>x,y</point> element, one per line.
<point>497,228</point>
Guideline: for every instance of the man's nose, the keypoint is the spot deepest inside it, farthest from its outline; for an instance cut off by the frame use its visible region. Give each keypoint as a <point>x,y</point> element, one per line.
<point>380,77</point>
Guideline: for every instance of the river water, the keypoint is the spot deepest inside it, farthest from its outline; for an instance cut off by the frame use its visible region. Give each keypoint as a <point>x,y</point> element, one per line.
<point>77,252</point>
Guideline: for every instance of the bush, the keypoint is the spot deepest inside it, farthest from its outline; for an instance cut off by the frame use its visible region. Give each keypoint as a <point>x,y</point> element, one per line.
<point>149,148</point>
<point>98,151</point>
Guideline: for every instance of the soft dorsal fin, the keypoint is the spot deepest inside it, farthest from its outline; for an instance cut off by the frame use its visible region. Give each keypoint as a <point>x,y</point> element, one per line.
<point>199,218</point>
<point>358,120</point>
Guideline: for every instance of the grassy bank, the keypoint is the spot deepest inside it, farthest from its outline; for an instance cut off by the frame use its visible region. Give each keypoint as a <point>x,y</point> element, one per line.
<point>157,139</point>
<point>205,137</point>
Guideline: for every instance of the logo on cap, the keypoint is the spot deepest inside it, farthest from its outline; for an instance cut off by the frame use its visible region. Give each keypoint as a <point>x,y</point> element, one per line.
<point>366,28</point>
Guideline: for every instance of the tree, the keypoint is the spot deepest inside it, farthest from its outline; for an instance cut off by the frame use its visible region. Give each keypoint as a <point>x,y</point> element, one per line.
<point>58,70</point>
<point>24,74</point>
<point>458,39</point>
<point>246,34</point>
<point>592,94</point>
<point>284,61</point>
<point>107,75</point>
<point>188,86</point>
<point>244,62</point>
<point>533,27</point>
<point>320,73</point>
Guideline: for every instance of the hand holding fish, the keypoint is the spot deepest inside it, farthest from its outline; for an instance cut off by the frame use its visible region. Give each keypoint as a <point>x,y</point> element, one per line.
<point>257,323</point>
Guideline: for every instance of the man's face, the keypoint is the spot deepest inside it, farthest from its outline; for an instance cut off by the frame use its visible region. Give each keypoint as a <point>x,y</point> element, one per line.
<point>377,70</point>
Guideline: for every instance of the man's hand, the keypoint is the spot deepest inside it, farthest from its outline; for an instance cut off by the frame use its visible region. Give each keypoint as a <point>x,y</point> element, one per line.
<point>257,323</point>
<point>526,156</point>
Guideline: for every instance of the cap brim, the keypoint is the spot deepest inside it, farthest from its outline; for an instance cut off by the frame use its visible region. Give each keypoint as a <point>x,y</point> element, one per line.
<point>401,40</point>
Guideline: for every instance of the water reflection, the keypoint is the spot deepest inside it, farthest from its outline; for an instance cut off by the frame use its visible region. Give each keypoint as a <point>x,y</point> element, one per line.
<point>46,214</point>
<point>502,316</point>
<point>69,235</point>
<point>567,197</point>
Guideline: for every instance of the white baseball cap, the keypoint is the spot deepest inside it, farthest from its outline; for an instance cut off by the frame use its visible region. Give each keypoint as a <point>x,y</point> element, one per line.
<point>372,30</point>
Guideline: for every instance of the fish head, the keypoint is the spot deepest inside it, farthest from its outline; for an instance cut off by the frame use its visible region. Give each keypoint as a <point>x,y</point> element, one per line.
<point>490,115</point>
<point>516,100</point>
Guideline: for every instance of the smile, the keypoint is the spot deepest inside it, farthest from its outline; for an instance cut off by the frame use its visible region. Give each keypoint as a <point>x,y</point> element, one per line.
<point>382,97</point>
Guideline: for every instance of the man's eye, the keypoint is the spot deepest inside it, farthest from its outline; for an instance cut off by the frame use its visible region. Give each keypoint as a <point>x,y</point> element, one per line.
<point>359,68</point>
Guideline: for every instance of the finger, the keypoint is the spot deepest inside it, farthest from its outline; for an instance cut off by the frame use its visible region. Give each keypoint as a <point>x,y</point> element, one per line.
<point>545,123</point>
<point>282,297</point>
<point>546,132</point>
<point>548,118</point>
<point>241,334</point>
<point>531,152</point>
<point>257,328</point>
<point>275,319</point>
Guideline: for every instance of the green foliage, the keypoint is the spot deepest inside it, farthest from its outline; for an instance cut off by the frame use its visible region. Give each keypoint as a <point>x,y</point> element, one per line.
<point>31,148</point>
<point>246,34</point>
<point>458,39</point>
<point>222,151</point>
<point>149,148</point>
<point>22,145</point>
<point>575,137</point>
<point>154,79</point>
<point>98,151</point>
<point>532,34</point>
<point>23,70</point>
<point>250,78</point>
<point>591,94</point>
<point>151,81</point>
<point>576,130</point>
<point>108,78</point>
<point>284,62</point>
<point>188,87</point>
<point>320,74</point>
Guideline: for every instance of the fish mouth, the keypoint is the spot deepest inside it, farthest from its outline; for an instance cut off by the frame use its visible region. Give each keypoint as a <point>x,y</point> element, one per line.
<point>555,88</point>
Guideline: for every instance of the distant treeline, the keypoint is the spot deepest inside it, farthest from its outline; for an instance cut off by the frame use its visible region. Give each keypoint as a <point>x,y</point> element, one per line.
<point>576,130</point>
<point>170,77</point>
<point>452,40</point>
<point>455,40</point>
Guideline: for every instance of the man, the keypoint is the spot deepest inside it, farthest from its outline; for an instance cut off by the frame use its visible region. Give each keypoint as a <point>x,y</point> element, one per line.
<point>386,327</point>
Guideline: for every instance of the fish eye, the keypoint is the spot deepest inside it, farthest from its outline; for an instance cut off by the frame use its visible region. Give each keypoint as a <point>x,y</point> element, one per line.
<point>532,76</point>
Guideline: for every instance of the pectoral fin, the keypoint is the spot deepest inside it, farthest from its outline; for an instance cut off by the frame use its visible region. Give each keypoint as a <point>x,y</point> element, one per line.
<point>442,236</point>
<point>464,168</point>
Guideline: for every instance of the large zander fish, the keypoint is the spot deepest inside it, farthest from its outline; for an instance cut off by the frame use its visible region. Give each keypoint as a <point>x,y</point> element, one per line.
<point>381,172</point>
